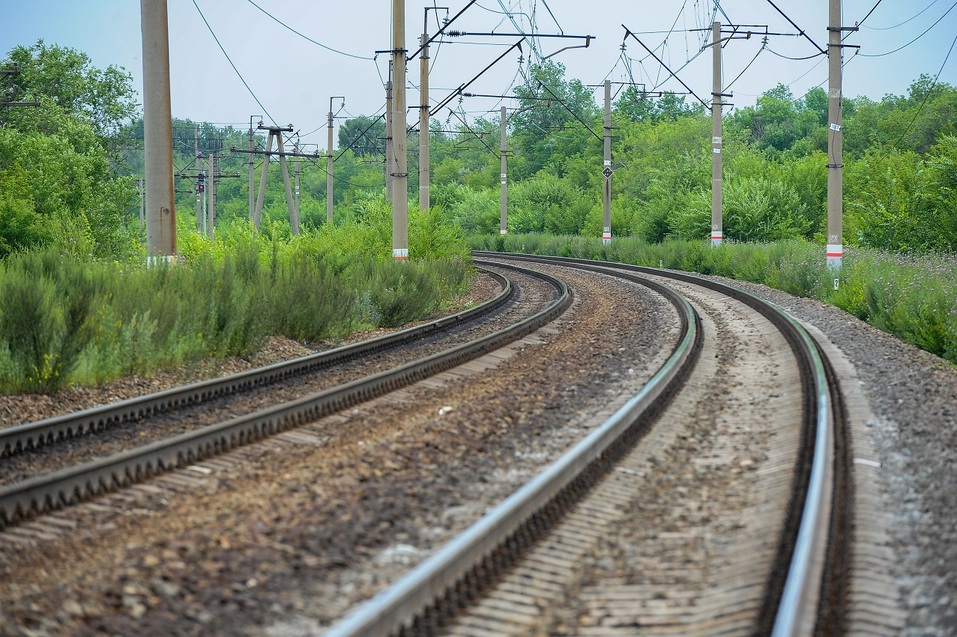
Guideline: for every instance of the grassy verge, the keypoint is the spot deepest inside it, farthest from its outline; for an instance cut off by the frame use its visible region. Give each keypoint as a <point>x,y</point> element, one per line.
<point>67,320</point>
<point>914,298</point>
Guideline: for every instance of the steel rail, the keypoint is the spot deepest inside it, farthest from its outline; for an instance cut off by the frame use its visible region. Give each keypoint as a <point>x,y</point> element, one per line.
<point>794,592</point>
<point>27,436</point>
<point>42,494</point>
<point>486,546</point>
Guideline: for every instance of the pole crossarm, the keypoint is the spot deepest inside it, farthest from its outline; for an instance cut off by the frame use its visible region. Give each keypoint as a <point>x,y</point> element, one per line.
<point>274,153</point>
<point>442,30</point>
<point>459,34</point>
<point>275,129</point>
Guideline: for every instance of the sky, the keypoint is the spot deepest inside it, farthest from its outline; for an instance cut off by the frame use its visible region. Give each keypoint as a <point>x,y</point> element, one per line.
<point>341,49</point>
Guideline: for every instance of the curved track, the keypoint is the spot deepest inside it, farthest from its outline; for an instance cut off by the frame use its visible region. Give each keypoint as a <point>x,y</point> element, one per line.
<point>507,567</point>
<point>45,493</point>
<point>428,600</point>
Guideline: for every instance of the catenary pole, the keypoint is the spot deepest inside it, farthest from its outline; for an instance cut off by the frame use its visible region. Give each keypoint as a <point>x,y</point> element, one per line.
<point>503,150</point>
<point>213,178</point>
<point>199,179</point>
<point>400,178</point>
<point>389,152</point>
<point>252,172</point>
<point>835,168</point>
<point>329,161</point>
<point>717,220</point>
<point>424,117</point>
<point>606,169</point>
<point>157,133</point>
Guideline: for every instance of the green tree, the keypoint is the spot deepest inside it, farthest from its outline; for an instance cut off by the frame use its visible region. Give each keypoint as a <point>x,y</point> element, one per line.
<point>365,136</point>
<point>551,119</point>
<point>68,84</point>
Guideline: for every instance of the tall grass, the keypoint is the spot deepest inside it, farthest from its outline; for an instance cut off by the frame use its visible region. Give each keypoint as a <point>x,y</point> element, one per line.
<point>912,297</point>
<point>66,321</point>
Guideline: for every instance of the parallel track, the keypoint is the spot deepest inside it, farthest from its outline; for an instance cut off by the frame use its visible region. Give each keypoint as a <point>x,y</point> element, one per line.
<point>46,493</point>
<point>433,592</point>
<point>20,438</point>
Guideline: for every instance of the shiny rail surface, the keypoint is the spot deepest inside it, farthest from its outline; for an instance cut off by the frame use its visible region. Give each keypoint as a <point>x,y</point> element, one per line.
<point>490,544</point>
<point>27,436</point>
<point>820,510</point>
<point>42,494</point>
<point>429,593</point>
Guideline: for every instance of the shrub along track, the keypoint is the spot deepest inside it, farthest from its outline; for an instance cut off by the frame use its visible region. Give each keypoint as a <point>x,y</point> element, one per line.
<point>298,528</point>
<point>212,427</point>
<point>351,507</point>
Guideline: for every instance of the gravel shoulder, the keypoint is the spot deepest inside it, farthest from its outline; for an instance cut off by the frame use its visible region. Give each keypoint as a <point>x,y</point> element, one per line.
<point>913,432</point>
<point>912,395</point>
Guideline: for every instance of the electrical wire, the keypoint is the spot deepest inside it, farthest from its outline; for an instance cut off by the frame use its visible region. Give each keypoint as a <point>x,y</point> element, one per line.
<point>877,55</point>
<point>763,47</point>
<point>916,15</point>
<point>928,92</point>
<point>305,37</point>
<point>861,21</point>
<point>793,59</point>
<point>240,75</point>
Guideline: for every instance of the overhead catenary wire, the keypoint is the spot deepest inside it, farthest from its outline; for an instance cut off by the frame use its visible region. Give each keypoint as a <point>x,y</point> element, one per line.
<point>307,38</point>
<point>900,24</point>
<point>800,30</point>
<point>925,32</point>
<point>240,75</point>
<point>927,93</point>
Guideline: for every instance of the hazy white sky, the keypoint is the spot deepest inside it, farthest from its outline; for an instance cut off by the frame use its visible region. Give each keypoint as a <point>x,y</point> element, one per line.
<point>294,77</point>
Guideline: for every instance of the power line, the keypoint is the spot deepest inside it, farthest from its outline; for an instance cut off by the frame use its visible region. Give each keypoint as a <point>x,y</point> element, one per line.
<point>800,30</point>
<point>929,90</point>
<point>307,38</point>
<point>877,55</point>
<point>764,45</point>
<point>861,21</point>
<point>916,15</point>
<point>240,75</point>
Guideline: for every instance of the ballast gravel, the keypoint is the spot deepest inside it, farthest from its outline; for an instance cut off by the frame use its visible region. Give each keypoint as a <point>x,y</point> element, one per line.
<point>913,398</point>
<point>913,430</point>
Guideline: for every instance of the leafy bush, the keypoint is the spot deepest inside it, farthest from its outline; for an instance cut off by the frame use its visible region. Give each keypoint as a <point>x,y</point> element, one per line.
<point>914,298</point>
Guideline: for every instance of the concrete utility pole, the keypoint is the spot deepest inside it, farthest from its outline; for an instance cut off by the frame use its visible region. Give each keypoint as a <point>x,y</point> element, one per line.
<point>400,178</point>
<point>424,160</point>
<point>503,150</point>
<point>141,188</point>
<point>276,132</point>
<point>717,221</point>
<point>252,171</point>
<point>329,160</point>
<point>295,192</point>
<point>200,181</point>
<point>606,169</point>
<point>213,178</point>
<point>389,153</point>
<point>424,118</point>
<point>835,140</point>
<point>157,133</point>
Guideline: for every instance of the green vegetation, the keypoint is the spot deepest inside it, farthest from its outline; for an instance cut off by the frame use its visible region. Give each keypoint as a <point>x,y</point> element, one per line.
<point>911,297</point>
<point>78,305</point>
<point>69,320</point>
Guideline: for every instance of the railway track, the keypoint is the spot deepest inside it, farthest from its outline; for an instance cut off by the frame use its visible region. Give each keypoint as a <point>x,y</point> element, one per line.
<point>510,571</point>
<point>578,523</point>
<point>23,497</point>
